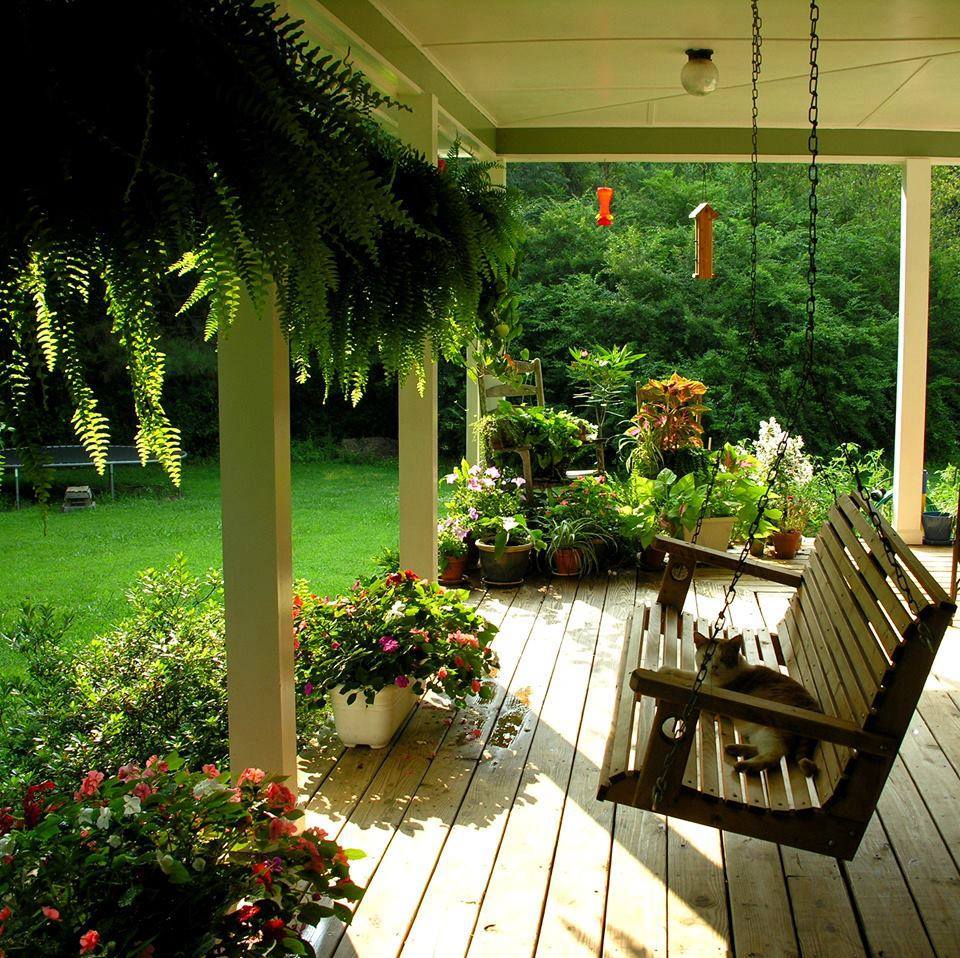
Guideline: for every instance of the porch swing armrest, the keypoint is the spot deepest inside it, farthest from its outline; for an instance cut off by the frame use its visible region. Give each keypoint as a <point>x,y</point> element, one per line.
<point>693,553</point>
<point>675,689</point>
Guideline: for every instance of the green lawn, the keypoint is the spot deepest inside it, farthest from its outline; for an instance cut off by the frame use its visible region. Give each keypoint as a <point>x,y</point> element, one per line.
<point>342,514</point>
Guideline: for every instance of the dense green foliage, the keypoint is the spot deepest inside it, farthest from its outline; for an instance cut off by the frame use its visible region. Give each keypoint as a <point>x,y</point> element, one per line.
<point>632,283</point>
<point>202,152</point>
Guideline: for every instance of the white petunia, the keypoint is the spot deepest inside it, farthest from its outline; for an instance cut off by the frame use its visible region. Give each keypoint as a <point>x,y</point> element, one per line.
<point>131,805</point>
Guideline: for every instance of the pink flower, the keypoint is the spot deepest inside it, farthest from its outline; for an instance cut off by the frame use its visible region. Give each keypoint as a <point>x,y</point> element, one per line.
<point>308,688</point>
<point>442,673</point>
<point>389,644</point>
<point>334,646</point>
<point>279,796</point>
<point>155,767</point>
<point>91,783</point>
<point>51,913</point>
<point>280,827</point>
<point>252,775</point>
<point>89,941</point>
<point>142,790</point>
<point>401,681</point>
<point>475,686</point>
<point>211,771</point>
<point>129,771</point>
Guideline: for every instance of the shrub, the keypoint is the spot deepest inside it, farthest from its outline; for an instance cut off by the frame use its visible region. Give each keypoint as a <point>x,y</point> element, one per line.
<point>392,630</point>
<point>163,861</point>
<point>833,477</point>
<point>156,683</point>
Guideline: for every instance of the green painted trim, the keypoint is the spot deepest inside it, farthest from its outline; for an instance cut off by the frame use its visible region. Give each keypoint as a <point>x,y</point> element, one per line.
<point>571,142</point>
<point>379,35</point>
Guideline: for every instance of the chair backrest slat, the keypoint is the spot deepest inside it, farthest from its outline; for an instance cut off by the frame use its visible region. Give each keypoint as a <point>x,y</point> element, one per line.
<point>494,389</point>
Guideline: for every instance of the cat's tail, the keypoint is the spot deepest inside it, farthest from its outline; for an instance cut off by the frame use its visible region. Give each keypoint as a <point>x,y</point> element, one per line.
<point>804,756</point>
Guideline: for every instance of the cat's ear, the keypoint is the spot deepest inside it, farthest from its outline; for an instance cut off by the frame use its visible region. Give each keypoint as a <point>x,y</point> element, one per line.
<point>737,643</point>
<point>699,639</point>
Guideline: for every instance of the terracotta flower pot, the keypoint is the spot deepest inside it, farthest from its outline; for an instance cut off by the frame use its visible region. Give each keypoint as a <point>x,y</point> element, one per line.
<point>652,559</point>
<point>567,561</point>
<point>373,725</point>
<point>786,544</point>
<point>454,569</point>
<point>509,568</point>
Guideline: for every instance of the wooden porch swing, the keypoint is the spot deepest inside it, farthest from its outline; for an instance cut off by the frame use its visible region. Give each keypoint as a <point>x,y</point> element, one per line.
<point>861,633</point>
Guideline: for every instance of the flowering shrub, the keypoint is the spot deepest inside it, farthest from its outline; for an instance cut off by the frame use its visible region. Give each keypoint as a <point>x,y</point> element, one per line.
<point>160,861</point>
<point>451,539</point>
<point>392,630</point>
<point>589,497</point>
<point>796,470</point>
<point>479,492</point>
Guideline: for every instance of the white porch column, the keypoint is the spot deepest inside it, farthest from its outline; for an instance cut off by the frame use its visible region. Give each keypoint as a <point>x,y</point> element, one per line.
<point>912,349</point>
<point>254,386</point>
<point>418,413</point>
<point>498,176</point>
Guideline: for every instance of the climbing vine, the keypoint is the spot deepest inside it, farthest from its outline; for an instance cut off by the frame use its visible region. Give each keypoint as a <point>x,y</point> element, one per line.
<point>184,155</point>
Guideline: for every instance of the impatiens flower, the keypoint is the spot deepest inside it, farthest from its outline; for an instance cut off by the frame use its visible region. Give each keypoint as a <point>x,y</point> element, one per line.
<point>154,767</point>
<point>389,644</point>
<point>89,941</point>
<point>475,686</point>
<point>410,575</point>
<point>274,929</point>
<point>334,646</point>
<point>279,796</point>
<point>129,771</point>
<point>308,688</point>
<point>247,913</point>
<point>252,775</point>
<point>401,681</point>
<point>442,673</point>
<point>103,819</point>
<point>5,913</point>
<point>394,578</point>
<point>142,790</point>
<point>280,827</point>
<point>91,783</point>
<point>211,771</point>
<point>50,913</point>
<point>450,478</point>
<point>131,805</point>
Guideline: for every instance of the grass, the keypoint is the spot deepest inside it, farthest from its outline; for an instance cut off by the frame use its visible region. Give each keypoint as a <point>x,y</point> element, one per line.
<point>86,561</point>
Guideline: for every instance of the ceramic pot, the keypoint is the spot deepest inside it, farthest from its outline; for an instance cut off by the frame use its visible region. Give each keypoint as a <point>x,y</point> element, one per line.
<point>937,527</point>
<point>652,559</point>
<point>473,553</point>
<point>567,561</point>
<point>373,725</point>
<point>454,570</point>
<point>786,544</point>
<point>715,533</point>
<point>507,569</point>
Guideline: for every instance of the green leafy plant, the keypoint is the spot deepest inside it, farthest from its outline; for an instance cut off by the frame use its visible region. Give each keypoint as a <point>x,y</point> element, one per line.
<point>603,378</point>
<point>106,871</point>
<point>212,154</point>
<point>943,488</point>
<point>587,497</point>
<point>503,531</point>
<point>582,535</point>
<point>832,476</point>
<point>394,630</point>
<point>553,435</point>
<point>646,508</point>
<point>451,539</point>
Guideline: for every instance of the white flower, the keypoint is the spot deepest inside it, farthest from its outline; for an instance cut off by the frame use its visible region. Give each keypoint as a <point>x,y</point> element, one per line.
<point>209,786</point>
<point>509,523</point>
<point>114,840</point>
<point>395,611</point>
<point>131,805</point>
<point>7,842</point>
<point>86,815</point>
<point>518,481</point>
<point>450,478</point>
<point>493,472</point>
<point>166,862</point>
<point>199,864</point>
<point>103,819</point>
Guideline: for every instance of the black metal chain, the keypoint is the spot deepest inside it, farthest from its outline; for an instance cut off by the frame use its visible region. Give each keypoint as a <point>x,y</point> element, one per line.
<point>684,725</point>
<point>756,65</point>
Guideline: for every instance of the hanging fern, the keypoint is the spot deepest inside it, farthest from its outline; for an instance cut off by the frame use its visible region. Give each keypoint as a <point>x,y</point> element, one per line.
<point>207,143</point>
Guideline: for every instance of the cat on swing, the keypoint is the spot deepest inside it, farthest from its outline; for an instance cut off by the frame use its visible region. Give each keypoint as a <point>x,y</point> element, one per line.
<point>760,746</point>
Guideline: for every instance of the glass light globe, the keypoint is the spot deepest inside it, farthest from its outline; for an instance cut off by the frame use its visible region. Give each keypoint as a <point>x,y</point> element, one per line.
<point>699,75</point>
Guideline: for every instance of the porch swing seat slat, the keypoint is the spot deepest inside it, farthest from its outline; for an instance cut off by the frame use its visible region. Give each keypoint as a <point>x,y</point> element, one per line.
<point>847,636</point>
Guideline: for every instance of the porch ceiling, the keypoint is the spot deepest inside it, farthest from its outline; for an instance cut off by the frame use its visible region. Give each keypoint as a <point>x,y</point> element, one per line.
<point>510,65</point>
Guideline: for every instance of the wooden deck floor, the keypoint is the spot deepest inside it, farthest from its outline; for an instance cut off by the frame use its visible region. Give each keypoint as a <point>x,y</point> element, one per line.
<point>484,837</point>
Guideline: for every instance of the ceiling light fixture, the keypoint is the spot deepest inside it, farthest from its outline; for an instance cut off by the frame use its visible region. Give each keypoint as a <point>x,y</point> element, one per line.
<point>699,75</point>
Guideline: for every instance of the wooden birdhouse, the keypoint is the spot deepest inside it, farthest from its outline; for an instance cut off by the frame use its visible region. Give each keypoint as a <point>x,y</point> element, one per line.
<point>703,217</point>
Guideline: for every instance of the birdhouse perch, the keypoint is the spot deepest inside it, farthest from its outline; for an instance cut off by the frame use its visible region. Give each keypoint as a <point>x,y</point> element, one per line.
<point>703,217</point>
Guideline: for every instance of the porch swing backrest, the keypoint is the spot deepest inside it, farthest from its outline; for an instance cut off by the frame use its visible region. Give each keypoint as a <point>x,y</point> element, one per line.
<point>848,630</point>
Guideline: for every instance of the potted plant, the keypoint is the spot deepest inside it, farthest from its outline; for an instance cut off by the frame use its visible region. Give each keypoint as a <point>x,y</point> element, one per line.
<point>795,516</point>
<point>644,514</point>
<point>570,548</point>
<point>373,651</point>
<point>452,551</point>
<point>155,859</point>
<point>505,544</point>
<point>594,499</point>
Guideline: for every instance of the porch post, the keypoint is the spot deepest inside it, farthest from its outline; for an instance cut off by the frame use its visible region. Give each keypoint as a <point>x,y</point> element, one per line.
<point>418,413</point>
<point>253,377</point>
<point>912,349</point>
<point>498,176</point>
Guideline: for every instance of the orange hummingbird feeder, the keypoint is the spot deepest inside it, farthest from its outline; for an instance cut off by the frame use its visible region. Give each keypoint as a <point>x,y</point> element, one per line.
<point>604,198</point>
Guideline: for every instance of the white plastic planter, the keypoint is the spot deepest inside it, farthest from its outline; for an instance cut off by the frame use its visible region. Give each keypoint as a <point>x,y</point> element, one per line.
<point>714,533</point>
<point>373,725</point>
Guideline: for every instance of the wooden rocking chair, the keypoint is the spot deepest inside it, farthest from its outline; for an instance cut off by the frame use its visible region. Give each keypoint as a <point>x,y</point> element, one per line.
<point>848,635</point>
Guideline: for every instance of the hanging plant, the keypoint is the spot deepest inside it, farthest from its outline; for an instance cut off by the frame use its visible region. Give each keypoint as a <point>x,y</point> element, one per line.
<point>192,153</point>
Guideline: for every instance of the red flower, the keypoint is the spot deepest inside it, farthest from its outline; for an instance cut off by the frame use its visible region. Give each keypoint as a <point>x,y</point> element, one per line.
<point>410,575</point>
<point>247,913</point>
<point>442,673</point>
<point>263,873</point>
<point>394,578</point>
<point>475,686</point>
<point>51,913</point>
<point>89,941</point>
<point>279,796</point>
<point>274,929</point>
<point>280,827</point>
